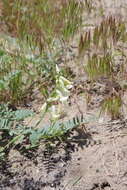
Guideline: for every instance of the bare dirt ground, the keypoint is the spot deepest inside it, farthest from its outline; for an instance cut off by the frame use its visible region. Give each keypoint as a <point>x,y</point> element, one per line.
<point>92,160</point>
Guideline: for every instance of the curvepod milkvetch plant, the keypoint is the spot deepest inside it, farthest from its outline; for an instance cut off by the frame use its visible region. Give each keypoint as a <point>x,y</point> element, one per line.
<point>58,97</point>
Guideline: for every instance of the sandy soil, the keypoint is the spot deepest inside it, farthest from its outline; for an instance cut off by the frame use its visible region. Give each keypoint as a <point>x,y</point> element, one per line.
<point>92,160</point>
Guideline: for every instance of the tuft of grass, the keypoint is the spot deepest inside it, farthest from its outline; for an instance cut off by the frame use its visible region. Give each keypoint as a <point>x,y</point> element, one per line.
<point>21,71</point>
<point>112,105</point>
<point>37,29</point>
<point>99,49</point>
<point>103,37</point>
<point>99,66</point>
<point>39,22</point>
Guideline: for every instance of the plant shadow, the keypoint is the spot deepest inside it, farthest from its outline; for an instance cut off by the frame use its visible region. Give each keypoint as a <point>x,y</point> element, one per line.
<point>55,157</point>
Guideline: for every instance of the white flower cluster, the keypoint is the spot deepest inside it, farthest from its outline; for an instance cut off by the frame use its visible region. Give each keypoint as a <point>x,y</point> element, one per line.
<point>60,94</point>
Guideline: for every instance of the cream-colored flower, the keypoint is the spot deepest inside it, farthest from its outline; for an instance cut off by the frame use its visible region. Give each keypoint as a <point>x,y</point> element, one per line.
<point>66,82</point>
<point>52,99</point>
<point>55,113</point>
<point>43,108</point>
<point>62,96</point>
<point>57,69</point>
